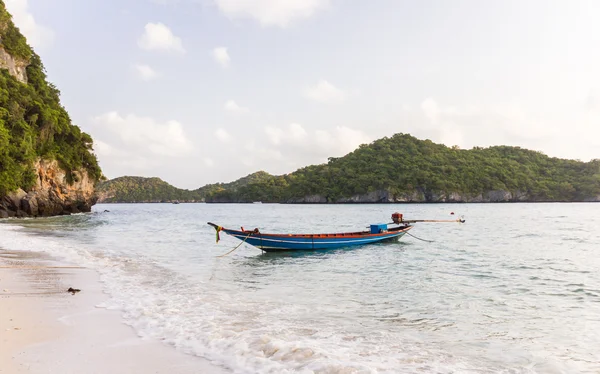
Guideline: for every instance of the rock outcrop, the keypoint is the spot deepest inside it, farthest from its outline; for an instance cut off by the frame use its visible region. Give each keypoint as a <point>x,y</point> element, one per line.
<point>385,196</point>
<point>15,66</point>
<point>51,195</point>
<point>312,199</point>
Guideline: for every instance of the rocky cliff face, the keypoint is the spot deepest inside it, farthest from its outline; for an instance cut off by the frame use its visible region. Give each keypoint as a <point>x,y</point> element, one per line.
<point>52,194</point>
<point>16,67</point>
<point>54,190</point>
<point>384,196</point>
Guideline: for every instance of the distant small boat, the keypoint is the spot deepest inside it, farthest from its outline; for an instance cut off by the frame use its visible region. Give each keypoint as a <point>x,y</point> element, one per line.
<point>257,202</point>
<point>176,202</point>
<point>279,242</point>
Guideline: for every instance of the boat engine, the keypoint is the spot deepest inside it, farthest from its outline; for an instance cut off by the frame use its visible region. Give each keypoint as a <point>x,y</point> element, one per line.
<point>397,218</point>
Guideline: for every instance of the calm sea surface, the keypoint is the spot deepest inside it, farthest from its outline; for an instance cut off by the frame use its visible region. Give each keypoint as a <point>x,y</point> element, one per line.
<point>516,289</point>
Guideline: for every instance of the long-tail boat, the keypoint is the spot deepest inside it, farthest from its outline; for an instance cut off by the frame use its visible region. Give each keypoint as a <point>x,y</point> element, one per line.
<point>277,242</point>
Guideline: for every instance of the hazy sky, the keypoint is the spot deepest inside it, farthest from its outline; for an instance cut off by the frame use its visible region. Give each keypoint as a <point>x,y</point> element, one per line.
<point>201,91</point>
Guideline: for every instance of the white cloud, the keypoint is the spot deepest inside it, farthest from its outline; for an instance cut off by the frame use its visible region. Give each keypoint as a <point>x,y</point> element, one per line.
<point>433,111</point>
<point>297,131</point>
<point>121,157</point>
<point>294,134</point>
<point>275,134</point>
<point>158,37</point>
<point>469,126</point>
<point>232,106</point>
<point>222,135</point>
<point>591,102</point>
<point>102,148</point>
<point>325,92</point>
<point>295,144</point>
<point>261,153</point>
<point>144,134</point>
<point>145,72</point>
<point>133,144</point>
<point>38,36</point>
<point>290,147</point>
<point>271,12</point>
<point>430,109</point>
<point>221,56</point>
<point>341,141</point>
<point>504,123</point>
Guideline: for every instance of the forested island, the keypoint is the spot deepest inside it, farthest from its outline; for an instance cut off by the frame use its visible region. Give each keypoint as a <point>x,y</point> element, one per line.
<point>155,190</point>
<point>400,168</point>
<point>46,163</point>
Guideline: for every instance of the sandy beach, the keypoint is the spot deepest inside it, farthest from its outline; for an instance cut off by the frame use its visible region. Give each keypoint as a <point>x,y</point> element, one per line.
<point>45,329</point>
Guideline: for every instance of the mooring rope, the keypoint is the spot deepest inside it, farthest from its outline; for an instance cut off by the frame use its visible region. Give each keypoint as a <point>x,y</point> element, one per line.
<point>236,246</point>
<point>425,240</point>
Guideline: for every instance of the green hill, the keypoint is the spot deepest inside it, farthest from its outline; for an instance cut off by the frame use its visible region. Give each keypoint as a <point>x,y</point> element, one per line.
<point>258,178</point>
<point>405,169</point>
<point>401,168</point>
<point>140,189</point>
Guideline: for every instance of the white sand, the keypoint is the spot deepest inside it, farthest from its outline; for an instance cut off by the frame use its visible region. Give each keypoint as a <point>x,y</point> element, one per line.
<point>44,329</point>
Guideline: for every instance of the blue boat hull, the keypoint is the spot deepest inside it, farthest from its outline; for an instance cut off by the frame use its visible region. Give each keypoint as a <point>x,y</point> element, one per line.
<point>275,242</point>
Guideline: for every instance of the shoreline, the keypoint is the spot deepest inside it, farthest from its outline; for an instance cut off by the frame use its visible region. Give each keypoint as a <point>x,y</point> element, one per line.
<point>359,203</point>
<point>45,329</point>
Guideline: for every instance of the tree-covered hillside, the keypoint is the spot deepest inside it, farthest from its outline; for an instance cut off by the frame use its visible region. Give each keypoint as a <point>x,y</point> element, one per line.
<point>33,123</point>
<point>404,168</point>
<point>397,169</point>
<point>258,178</point>
<point>140,189</point>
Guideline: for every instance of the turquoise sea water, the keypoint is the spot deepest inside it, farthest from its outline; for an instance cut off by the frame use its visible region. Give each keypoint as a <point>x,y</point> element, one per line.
<point>516,289</point>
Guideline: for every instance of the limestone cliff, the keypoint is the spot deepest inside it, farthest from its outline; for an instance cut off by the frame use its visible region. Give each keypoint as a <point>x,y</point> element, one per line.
<point>47,166</point>
<point>384,196</point>
<point>16,67</point>
<point>52,194</point>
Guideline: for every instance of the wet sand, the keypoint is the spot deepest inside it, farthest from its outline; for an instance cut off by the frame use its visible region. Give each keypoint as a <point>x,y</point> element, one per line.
<point>45,329</point>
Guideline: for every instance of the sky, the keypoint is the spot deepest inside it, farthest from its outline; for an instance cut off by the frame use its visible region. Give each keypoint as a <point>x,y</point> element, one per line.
<point>205,91</point>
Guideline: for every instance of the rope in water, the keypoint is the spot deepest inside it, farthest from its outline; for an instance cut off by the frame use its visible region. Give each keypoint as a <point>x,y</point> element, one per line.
<point>425,240</point>
<point>236,246</point>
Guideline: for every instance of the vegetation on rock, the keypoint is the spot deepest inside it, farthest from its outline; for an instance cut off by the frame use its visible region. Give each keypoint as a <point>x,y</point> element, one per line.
<point>12,40</point>
<point>33,123</point>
